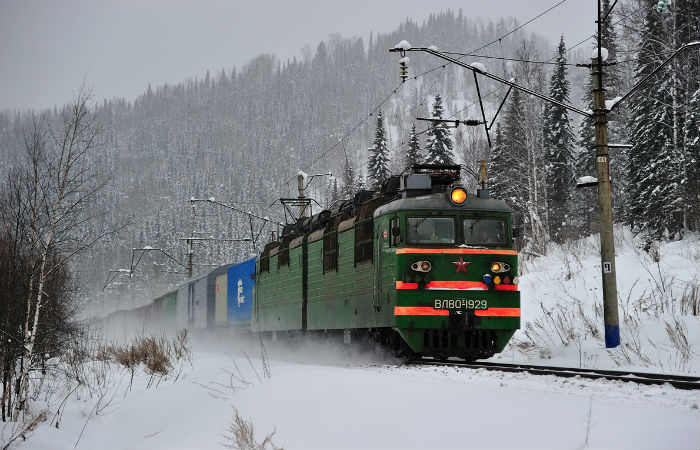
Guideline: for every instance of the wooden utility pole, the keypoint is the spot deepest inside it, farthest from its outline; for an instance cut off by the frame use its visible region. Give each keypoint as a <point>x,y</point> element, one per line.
<point>607,238</point>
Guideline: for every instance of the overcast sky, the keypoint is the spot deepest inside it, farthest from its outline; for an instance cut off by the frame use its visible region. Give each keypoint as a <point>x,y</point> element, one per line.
<point>48,46</point>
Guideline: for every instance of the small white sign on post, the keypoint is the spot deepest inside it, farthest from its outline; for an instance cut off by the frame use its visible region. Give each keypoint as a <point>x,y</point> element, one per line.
<point>607,267</point>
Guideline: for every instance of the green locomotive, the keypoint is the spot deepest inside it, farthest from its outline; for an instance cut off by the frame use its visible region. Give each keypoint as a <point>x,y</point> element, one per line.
<point>417,265</point>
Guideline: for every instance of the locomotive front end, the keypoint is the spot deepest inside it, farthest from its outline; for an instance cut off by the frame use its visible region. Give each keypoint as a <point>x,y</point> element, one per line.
<point>456,291</point>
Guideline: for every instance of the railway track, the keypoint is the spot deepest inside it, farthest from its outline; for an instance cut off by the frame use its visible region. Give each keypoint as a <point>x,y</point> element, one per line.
<point>677,381</point>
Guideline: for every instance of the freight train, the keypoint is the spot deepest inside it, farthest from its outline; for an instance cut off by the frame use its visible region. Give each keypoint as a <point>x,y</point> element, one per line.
<point>418,265</point>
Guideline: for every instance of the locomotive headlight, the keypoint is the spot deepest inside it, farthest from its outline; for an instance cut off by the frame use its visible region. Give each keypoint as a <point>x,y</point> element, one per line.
<point>458,195</point>
<point>422,266</point>
<point>499,267</point>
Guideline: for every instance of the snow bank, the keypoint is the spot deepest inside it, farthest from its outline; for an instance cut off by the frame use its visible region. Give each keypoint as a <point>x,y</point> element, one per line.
<point>561,297</point>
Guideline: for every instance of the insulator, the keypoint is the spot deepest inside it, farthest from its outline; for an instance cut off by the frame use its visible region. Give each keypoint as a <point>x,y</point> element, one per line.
<point>403,71</point>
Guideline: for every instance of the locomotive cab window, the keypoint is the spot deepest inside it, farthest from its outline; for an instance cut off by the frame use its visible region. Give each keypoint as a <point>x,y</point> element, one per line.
<point>484,231</point>
<point>431,230</point>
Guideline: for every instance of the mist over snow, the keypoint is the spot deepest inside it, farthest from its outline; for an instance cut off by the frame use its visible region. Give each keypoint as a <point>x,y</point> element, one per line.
<point>322,394</point>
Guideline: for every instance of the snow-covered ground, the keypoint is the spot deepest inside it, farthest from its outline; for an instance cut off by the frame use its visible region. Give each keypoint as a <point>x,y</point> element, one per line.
<point>562,307</point>
<point>363,404</point>
<point>328,396</point>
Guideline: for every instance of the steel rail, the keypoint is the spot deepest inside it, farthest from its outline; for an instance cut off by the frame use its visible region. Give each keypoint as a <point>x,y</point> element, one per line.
<point>677,381</point>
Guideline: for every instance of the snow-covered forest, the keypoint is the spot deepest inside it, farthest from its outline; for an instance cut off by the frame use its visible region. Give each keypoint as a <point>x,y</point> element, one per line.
<point>241,135</point>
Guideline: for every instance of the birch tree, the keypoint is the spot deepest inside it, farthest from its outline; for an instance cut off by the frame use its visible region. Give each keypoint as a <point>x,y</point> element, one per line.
<point>59,186</point>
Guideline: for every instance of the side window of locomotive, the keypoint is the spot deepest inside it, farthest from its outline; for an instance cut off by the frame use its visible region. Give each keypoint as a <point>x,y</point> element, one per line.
<point>364,240</point>
<point>431,230</point>
<point>484,231</point>
<point>330,251</point>
<point>395,231</point>
<point>283,258</point>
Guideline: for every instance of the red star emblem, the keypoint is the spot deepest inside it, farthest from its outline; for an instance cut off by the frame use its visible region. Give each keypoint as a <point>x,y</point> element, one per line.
<point>461,265</point>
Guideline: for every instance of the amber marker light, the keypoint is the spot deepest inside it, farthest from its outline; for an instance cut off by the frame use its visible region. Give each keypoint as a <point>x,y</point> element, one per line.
<point>498,267</point>
<point>458,196</point>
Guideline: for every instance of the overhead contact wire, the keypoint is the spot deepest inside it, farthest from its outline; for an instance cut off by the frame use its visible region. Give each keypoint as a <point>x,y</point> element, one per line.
<point>442,66</point>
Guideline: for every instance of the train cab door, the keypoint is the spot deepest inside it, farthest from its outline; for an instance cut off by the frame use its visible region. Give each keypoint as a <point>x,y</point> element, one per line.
<point>377,268</point>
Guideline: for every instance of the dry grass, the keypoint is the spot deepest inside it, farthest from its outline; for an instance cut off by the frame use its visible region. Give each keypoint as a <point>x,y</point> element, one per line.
<point>678,335</point>
<point>18,432</point>
<point>241,436</point>
<point>156,353</point>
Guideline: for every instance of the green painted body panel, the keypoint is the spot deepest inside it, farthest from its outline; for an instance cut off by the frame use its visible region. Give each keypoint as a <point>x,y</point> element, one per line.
<point>279,295</point>
<point>340,299</point>
<point>364,295</point>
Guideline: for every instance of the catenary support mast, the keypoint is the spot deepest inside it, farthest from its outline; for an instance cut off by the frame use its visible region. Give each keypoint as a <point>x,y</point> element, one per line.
<point>607,238</point>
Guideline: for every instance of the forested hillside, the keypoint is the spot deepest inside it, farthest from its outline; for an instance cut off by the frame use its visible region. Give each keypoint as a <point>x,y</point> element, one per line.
<point>242,134</point>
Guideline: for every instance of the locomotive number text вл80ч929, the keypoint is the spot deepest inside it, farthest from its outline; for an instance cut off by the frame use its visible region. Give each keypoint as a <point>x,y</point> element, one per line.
<point>460,303</point>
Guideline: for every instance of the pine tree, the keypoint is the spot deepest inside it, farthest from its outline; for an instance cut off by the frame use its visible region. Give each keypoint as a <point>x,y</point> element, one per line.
<point>439,144</point>
<point>655,169</point>
<point>335,194</point>
<point>558,148</point>
<point>691,186</point>
<point>499,166</point>
<point>349,179</point>
<point>509,159</point>
<point>378,162</point>
<point>413,155</point>
<point>688,27</point>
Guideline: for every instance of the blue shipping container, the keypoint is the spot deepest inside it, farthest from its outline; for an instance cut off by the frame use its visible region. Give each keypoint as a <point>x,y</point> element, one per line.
<point>240,291</point>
